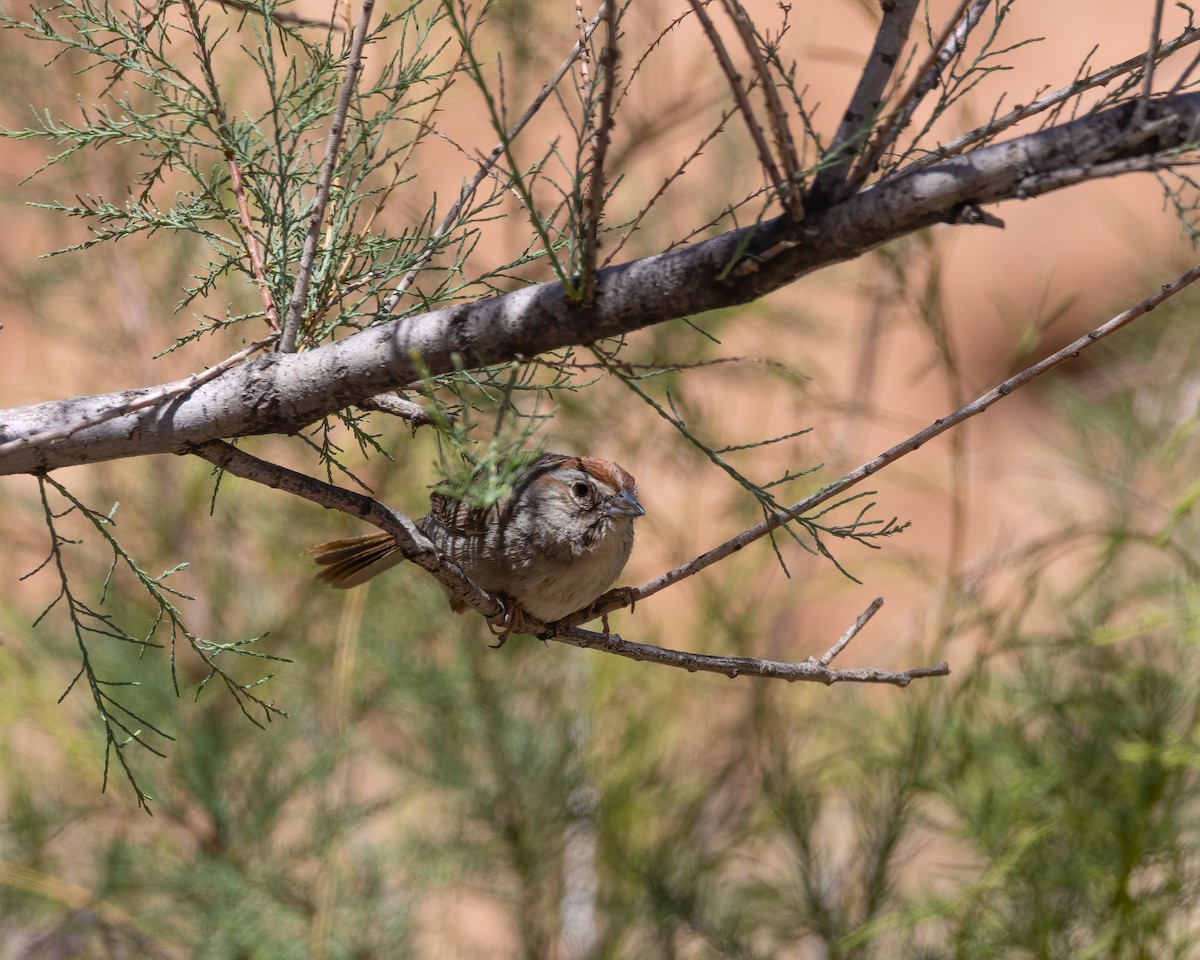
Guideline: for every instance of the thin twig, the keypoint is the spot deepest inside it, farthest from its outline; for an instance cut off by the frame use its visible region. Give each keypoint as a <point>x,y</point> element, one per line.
<point>407,410</point>
<point>785,145</point>
<point>282,16</point>
<point>291,323</point>
<point>948,45</point>
<point>850,634</point>
<point>652,46</point>
<point>815,670</point>
<point>150,399</point>
<point>868,95</point>
<point>667,181</point>
<point>736,86</point>
<point>204,58</point>
<point>1185,75</point>
<point>1025,111</point>
<point>626,596</point>
<point>270,311</point>
<point>601,137</point>
<point>585,54</point>
<point>1151,59</point>
<point>486,165</point>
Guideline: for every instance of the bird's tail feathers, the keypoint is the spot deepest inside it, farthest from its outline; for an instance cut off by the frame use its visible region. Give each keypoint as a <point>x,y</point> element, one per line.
<point>355,560</point>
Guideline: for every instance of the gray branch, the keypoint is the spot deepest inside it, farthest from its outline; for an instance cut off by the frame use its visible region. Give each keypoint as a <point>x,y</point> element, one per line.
<point>281,393</point>
<point>859,117</point>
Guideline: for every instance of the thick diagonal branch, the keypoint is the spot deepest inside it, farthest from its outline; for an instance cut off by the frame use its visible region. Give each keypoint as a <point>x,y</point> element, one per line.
<point>281,393</point>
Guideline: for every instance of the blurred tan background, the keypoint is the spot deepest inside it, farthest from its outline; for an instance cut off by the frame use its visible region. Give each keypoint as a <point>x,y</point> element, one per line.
<point>887,344</point>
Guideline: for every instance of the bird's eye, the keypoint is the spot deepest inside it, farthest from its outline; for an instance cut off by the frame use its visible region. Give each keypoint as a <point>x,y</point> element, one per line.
<point>581,490</point>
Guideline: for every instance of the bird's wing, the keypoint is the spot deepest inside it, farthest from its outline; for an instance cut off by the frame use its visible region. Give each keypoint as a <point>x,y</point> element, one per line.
<point>460,517</point>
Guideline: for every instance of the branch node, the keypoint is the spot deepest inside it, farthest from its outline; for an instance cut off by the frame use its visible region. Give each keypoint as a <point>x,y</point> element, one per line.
<point>969,213</point>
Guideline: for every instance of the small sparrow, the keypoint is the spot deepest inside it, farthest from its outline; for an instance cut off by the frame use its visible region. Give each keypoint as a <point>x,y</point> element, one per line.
<point>556,543</point>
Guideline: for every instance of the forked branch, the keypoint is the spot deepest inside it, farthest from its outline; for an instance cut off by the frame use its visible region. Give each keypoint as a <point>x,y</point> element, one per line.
<point>785,145</point>
<point>738,88</point>
<point>858,119</point>
<point>814,669</point>
<point>283,393</point>
<point>947,46</point>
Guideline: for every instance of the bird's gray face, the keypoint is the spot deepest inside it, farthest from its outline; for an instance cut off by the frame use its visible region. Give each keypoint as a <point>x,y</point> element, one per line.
<point>584,501</point>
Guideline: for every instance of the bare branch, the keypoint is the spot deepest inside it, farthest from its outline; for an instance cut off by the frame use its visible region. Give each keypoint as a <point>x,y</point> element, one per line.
<point>394,406</point>
<point>282,16</point>
<point>291,323</point>
<point>1152,52</point>
<point>770,170</point>
<point>421,551</point>
<point>602,135</point>
<point>866,615</point>
<point>785,146</point>
<point>813,670</point>
<point>137,400</point>
<point>864,104</point>
<point>1185,75</point>
<point>948,45</point>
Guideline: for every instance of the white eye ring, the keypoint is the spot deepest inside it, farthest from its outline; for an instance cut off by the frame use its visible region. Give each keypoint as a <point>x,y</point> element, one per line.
<point>581,490</point>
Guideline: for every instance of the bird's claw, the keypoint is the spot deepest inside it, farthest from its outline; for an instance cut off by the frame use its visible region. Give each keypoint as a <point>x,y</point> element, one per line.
<point>505,624</point>
<point>627,595</point>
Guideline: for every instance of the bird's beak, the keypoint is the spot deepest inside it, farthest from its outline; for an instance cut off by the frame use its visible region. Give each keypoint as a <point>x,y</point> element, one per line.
<point>624,504</point>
